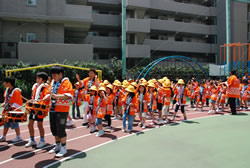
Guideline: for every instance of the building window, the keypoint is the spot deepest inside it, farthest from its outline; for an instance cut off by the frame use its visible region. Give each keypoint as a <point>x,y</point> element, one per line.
<point>31,37</point>
<point>31,2</point>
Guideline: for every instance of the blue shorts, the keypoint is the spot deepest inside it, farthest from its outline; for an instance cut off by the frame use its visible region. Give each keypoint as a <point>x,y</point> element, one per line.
<point>212,101</point>
<point>12,125</point>
<point>98,121</point>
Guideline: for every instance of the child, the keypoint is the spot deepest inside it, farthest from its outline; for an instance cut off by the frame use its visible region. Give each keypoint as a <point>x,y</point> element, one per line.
<point>245,90</point>
<point>100,110</point>
<point>91,111</point>
<point>182,92</point>
<point>223,90</point>
<point>130,106</point>
<point>142,108</point>
<point>76,101</point>
<point>166,101</point>
<point>159,96</point>
<point>110,96</point>
<point>12,101</point>
<point>118,98</point>
<point>201,97</point>
<point>40,89</point>
<point>152,92</point>
<point>214,96</point>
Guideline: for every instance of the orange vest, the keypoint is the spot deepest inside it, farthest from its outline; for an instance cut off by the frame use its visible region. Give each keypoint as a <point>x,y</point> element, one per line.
<point>154,105</point>
<point>37,90</point>
<point>120,97</point>
<point>110,104</point>
<point>64,88</point>
<point>245,95</point>
<point>233,90</point>
<point>167,96</point>
<point>134,101</point>
<point>15,98</point>
<point>160,95</point>
<point>79,97</point>
<point>85,83</point>
<point>186,93</point>
<point>102,108</point>
<point>145,104</point>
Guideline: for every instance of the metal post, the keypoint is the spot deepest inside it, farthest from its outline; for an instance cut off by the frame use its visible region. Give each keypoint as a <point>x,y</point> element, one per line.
<point>124,43</point>
<point>234,65</point>
<point>248,59</point>
<point>228,32</point>
<point>243,55</point>
<point>220,62</point>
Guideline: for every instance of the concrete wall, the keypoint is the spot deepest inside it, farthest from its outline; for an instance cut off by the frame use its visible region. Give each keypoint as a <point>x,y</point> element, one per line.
<point>104,42</point>
<point>168,25</point>
<point>37,53</point>
<point>106,20</point>
<point>138,25</point>
<point>45,32</point>
<point>138,51</point>
<point>163,45</point>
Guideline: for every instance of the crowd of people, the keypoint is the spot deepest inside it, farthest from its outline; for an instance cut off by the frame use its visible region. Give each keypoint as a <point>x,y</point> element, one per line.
<point>106,101</point>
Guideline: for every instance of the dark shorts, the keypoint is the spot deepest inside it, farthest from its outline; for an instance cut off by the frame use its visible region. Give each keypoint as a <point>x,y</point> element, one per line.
<point>159,106</point>
<point>174,101</point>
<point>58,122</point>
<point>35,118</point>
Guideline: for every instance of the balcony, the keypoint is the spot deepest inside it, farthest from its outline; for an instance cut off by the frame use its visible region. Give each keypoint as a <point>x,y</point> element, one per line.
<point>169,25</point>
<point>132,4</point>
<point>138,51</point>
<point>104,42</point>
<point>248,36</point>
<point>106,2</point>
<point>248,17</point>
<point>138,26</point>
<point>37,53</point>
<point>106,20</point>
<point>165,45</point>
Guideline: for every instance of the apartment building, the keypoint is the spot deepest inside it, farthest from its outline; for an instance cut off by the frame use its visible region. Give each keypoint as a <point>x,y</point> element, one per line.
<point>44,31</point>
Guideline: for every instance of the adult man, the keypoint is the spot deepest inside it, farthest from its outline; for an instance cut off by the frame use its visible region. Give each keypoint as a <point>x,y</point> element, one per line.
<point>39,90</point>
<point>233,91</point>
<point>60,95</point>
<point>87,83</point>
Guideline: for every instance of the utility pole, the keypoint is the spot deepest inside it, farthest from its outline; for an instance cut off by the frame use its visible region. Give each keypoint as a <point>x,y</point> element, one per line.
<point>124,34</point>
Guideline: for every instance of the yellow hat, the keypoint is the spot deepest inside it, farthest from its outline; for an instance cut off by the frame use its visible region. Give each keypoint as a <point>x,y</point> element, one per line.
<point>167,84</point>
<point>134,84</point>
<point>102,89</point>
<point>77,83</point>
<point>93,88</point>
<point>102,84</point>
<point>125,85</point>
<point>151,85</point>
<point>124,82</point>
<point>106,82</point>
<point>165,78</point>
<point>142,84</point>
<point>161,81</point>
<point>109,86</point>
<point>154,80</point>
<point>131,89</point>
<point>117,83</point>
<point>181,81</point>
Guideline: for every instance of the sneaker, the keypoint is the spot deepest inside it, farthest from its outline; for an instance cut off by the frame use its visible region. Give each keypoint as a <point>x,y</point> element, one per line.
<point>143,126</point>
<point>62,152</point>
<point>217,110</point>
<point>93,129</point>
<point>57,148</point>
<point>152,123</point>
<point>2,138</point>
<point>185,119</point>
<point>171,108</point>
<point>140,124</point>
<point>69,123</point>
<point>124,130</point>
<point>166,121</point>
<point>41,144</point>
<point>108,127</point>
<point>173,118</point>
<point>201,109</point>
<point>30,143</point>
<point>129,131</point>
<point>195,109</point>
<point>100,133</point>
<point>210,111</point>
<point>18,138</point>
<point>241,108</point>
<point>160,122</point>
<point>246,108</point>
<point>222,109</point>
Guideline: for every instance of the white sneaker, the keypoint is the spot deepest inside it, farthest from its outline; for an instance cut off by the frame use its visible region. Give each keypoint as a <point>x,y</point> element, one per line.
<point>30,143</point>
<point>18,138</point>
<point>57,148</point>
<point>41,144</point>
<point>152,123</point>
<point>195,109</point>
<point>143,126</point>
<point>171,108</point>
<point>62,152</point>
<point>166,121</point>
<point>140,124</point>
<point>160,122</point>
<point>129,131</point>
<point>2,138</point>
<point>124,130</point>
<point>69,123</point>
<point>100,133</point>
<point>217,110</point>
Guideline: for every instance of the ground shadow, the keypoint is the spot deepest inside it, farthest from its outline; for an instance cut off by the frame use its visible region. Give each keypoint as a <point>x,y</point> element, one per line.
<point>191,122</point>
<point>111,136</point>
<point>117,129</point>
<point>21,143</point>
<point>70,152</point>
<point>23,155</point>
<point>70,127</point>
<point>173,123</point>
<point>241,114</point>
<point>4,147</point>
